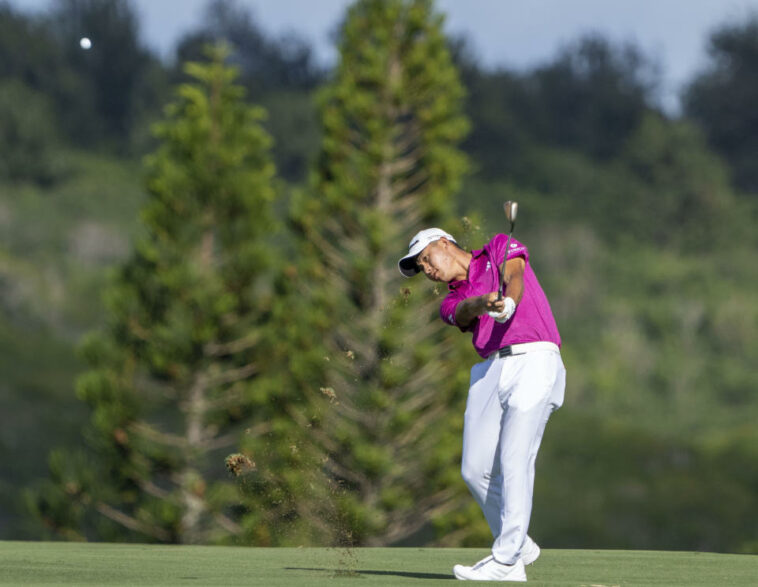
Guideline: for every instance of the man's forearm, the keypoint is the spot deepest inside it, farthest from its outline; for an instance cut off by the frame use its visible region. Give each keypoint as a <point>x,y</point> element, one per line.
<point>469,309</point>
<point>514,287</point>
<point>513,278</point>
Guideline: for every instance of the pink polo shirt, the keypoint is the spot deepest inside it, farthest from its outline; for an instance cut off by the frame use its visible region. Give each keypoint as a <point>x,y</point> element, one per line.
<point>531,322</point>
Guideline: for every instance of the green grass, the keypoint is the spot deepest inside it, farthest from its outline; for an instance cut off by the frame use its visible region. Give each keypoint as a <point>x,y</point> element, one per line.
<point>44,563</point>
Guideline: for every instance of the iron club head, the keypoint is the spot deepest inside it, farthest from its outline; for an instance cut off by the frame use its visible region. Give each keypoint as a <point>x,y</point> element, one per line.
<point>511,209</point>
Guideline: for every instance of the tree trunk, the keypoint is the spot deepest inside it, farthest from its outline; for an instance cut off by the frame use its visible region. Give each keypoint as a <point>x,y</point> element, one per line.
<point>190,481</point>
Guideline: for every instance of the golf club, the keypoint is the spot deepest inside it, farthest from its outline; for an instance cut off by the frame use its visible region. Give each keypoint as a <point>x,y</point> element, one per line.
<point>511,209</point>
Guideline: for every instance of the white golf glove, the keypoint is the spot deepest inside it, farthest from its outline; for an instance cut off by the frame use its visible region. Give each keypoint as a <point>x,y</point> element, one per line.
<point>510,308</point>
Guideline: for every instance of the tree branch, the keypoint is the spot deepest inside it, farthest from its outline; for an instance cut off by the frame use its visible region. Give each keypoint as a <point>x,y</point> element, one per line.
<point>227,524</point>
<point>152,489</point>
<point>225,441</point>
<point>218,349</point>
<point>132,523</point>
<point>164,438</point>
<point>230,376</point>
<point>435,505</point>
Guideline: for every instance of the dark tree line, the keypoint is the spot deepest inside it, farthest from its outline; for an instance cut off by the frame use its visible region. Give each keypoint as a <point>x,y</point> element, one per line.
<point>722,99</point>
<point>590,98</point>
<point>107,97</point>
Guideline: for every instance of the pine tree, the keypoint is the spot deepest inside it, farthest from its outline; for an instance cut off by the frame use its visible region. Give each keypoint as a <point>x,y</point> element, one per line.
<point>173,378</point>
<point>382,381</point>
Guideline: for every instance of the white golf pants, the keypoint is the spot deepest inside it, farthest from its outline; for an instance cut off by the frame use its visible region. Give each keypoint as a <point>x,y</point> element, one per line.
<point>509,402</point>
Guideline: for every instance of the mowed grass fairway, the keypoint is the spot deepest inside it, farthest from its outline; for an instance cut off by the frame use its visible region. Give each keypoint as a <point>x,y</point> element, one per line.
<point>45,563</point>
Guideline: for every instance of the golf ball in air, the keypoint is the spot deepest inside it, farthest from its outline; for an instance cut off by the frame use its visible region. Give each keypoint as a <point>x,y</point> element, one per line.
<point>85,43</point>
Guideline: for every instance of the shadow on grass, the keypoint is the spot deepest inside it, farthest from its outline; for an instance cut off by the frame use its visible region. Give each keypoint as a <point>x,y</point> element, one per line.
<point>355,573</point>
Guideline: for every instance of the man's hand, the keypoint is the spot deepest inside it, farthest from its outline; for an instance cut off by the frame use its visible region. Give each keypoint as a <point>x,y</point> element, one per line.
<point>470,308</point>
<point>500,310</point>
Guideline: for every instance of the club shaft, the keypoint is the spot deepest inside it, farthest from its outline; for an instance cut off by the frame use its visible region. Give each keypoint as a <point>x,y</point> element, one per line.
<point>501,270</point>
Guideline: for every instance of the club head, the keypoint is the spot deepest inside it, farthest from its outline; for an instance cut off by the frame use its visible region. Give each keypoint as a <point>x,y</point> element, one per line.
<point>511,209</point>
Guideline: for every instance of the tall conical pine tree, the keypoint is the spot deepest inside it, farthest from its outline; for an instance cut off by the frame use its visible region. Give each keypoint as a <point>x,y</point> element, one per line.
<point>384,400</point>
<point>173,378</point>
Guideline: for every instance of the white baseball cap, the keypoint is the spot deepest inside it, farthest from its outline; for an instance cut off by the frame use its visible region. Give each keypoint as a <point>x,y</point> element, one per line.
<point>407,264</point>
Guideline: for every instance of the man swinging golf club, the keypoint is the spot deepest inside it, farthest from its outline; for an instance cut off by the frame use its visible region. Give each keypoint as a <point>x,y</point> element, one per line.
<point>495,295</point>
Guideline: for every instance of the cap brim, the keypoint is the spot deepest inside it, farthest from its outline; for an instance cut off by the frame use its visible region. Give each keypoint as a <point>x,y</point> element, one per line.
<point>407,266</point>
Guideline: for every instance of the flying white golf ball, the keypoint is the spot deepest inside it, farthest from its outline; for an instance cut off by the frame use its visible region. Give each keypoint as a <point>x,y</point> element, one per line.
<point>85,43</point>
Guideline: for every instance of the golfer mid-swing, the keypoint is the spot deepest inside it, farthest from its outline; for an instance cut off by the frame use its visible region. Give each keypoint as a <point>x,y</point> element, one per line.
<point>512,392</point>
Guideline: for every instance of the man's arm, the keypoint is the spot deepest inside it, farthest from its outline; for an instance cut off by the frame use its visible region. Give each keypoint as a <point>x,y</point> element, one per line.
<point>513,278</point>
<point>470,308</point>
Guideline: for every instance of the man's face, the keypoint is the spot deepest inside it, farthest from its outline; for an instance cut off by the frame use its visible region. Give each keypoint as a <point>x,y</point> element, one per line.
<point>435,261</point>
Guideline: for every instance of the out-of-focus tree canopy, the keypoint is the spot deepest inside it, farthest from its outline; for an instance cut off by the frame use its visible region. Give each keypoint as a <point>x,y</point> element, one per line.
<point>264,62</point>
<point>723,99</point>
<point>589,99</point>
<point>280,74</point>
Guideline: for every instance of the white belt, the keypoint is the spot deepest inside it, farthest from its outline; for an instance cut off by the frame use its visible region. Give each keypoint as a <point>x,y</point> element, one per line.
<point>526,347</point>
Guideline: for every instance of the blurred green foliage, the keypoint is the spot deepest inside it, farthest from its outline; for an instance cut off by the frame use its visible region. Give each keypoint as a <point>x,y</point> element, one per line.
<point>391,388</point>
<point>168,384</point>
<point>722,98</point>
<point>640,226</point>
<point>28,135</point>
